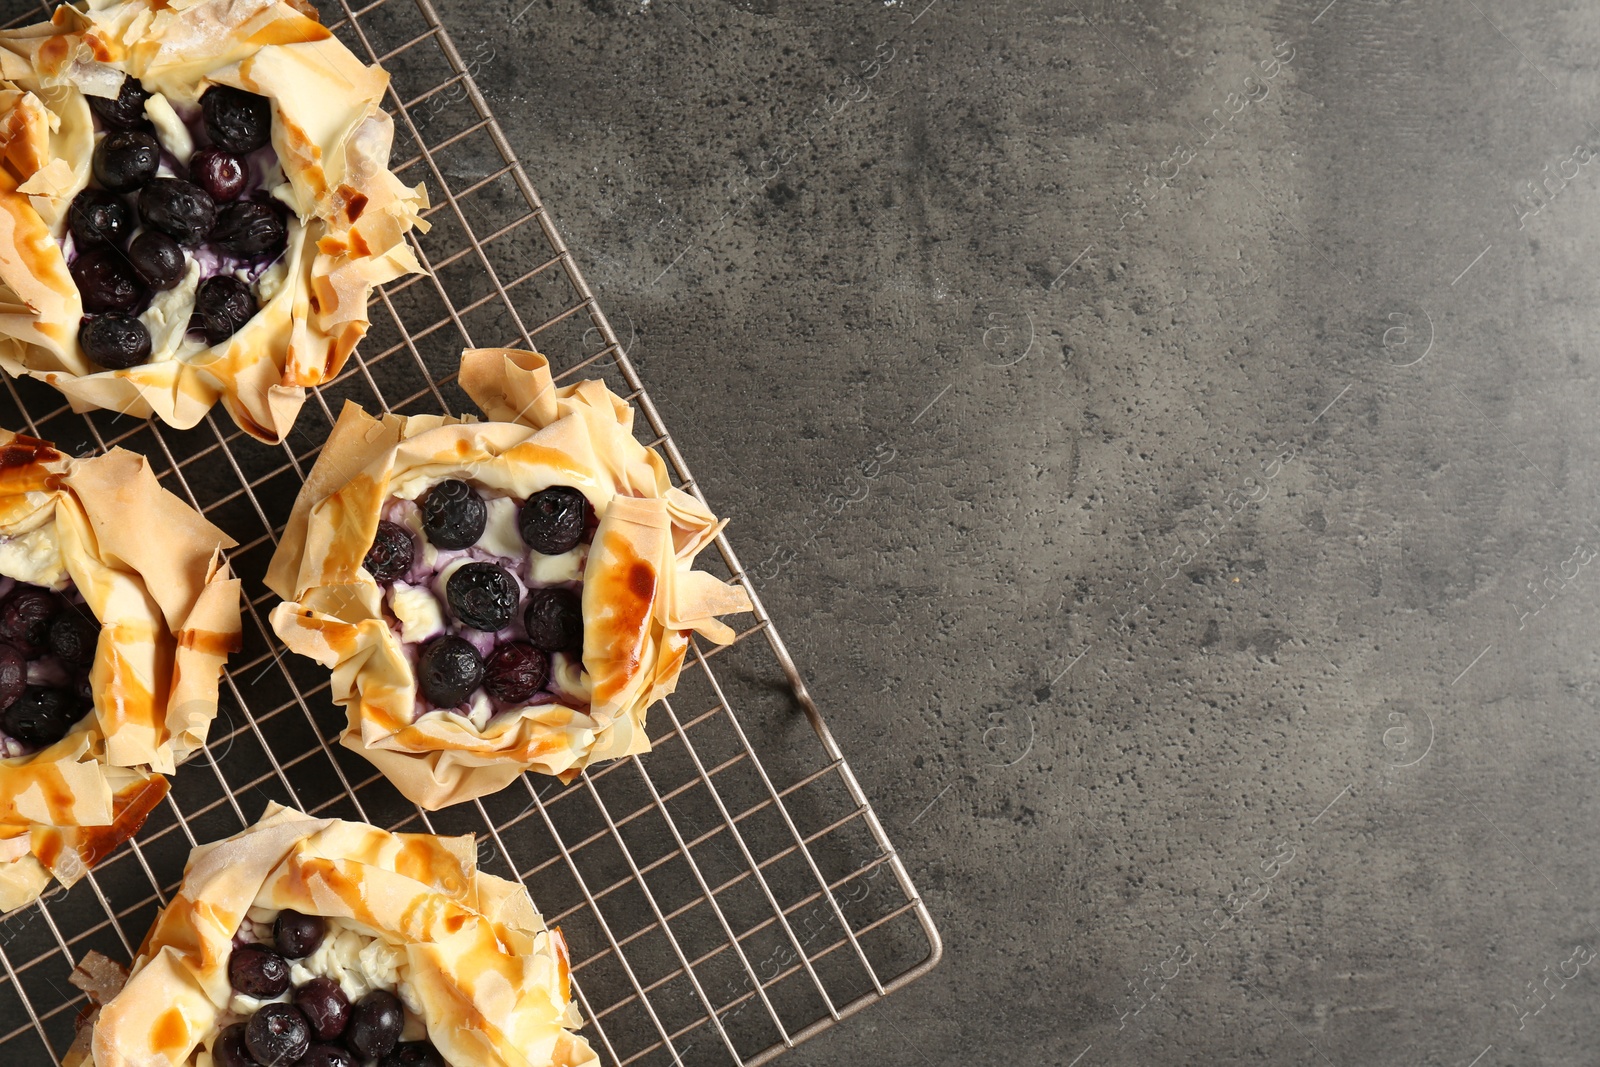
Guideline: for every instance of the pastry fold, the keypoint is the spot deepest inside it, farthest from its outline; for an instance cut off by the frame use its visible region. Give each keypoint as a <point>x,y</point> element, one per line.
<point>493,980</point>
<point>641,597</point>
<point>169,615</point>
<point>349,213</point>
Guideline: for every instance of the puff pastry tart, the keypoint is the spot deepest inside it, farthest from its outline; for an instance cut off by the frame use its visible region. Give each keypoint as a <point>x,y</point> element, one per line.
<point>111,645</point>
<point>195,204</point>
<point>496,596</point>
<point>335,944</point>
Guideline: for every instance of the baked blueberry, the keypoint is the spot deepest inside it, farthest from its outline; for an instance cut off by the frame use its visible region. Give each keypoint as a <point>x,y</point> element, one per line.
<point>552,522</point>
<point>298,936</point>
<point>482,595</point>
<point>97,218</point>
<point>13,675</point>
<point>515,671</point>
<point>42,715</point>
<point>114,340</point>
<point>391,553</point>
<point>157,259</point>
<point>248,229</point>
<point>414,1054</point>
<point>554,618</point>
<point>448,671</point>
<point>235,120</point>
<point>328,1056</point>
<point>258,972</point>
<point>230,1050</point>
<point>222,305</point>
<point>277,1035</point>
<point>106,281</point>
<point>375,1024</point>
<point>25,619</point>
<point>220,173</point>
<point>125,159</point>
<point>73,637</point>
<point>181,210</point>
<point>326,1008</point>
<point>126,109</point>
<point>453,514</point>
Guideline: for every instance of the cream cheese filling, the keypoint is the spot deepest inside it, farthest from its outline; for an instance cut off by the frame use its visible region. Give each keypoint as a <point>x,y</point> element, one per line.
<point>359,962</point>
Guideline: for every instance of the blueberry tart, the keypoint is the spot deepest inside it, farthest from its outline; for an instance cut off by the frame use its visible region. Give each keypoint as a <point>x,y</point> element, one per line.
<point>112,640</point>
<point>196,205</point>
<point>500,596</point>
<point>326,943</point>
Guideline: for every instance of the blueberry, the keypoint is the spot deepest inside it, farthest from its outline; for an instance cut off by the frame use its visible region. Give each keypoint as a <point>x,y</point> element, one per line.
<point>73,637</point>
<point>375,1024</point>
<point>13,675</point>
<point>515,671</point>
<point>277,1035</point>
<point>249,229</point>
<point>97,218</point>
<point>115,341</point>
<point>552,522</point>
<point>325,1007</point>
<point>258,972</point>
<point>298,936</point>
<point>125,159</point>
<point>222,174</point>
<point>181,210</point>
<point>554,618</point>
<point>448,671</point>
<point>230,1050</point>
<point>42,716</point>
<point>328,1056</point>
<point>157,259</point>
<point>236,121</point>
<point>25,618</point>
<point>482,595</point>
<point>414,1054</point>
<point>453,514</point>
<point>391,553</point>
<point>107,282</point>
<point>222,305</point>
<point>126,109</point>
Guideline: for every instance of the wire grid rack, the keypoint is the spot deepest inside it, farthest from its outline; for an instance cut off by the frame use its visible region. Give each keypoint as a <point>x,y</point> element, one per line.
<point>722,896</point>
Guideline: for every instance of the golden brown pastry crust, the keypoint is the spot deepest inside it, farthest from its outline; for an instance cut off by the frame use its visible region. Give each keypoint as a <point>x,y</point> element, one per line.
<point>492,978</point>
<point>169,615</point>
<point>332,142</point>
<point>641,597</point>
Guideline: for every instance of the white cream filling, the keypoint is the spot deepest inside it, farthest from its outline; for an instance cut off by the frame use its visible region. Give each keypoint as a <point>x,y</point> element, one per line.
<point>500,533</point>
<point>170,130</point>
<point>270,284</point>
<point>167,317</point>
<point>34,557</point>
<point>550,570</point>
<point>417,610</point>
<point>358,962</point>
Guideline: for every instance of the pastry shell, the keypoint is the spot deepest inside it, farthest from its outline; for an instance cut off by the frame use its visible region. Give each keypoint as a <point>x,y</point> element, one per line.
<point>641,597</point>
<point>169,615</point>
<point>493,980</point>
<point>348,213</point>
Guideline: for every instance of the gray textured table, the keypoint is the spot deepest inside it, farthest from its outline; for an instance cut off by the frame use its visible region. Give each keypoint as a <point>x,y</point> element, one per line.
<point>1211,628</point>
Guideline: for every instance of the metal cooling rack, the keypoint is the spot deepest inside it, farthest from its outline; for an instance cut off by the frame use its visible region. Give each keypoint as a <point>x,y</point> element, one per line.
<point>723,895</point>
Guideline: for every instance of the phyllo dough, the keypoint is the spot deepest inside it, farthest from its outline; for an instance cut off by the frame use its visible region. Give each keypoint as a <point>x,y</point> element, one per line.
<point>117,605</point>
<point>195,204</point>
<point>478,974</point>
<point>499,596</point>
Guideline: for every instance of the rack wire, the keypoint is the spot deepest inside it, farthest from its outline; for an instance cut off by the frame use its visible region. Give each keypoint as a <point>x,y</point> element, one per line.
<point>721,895</point>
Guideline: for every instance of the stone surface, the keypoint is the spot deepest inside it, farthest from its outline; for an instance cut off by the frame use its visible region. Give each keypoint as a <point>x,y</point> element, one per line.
<point>1228,434</point>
